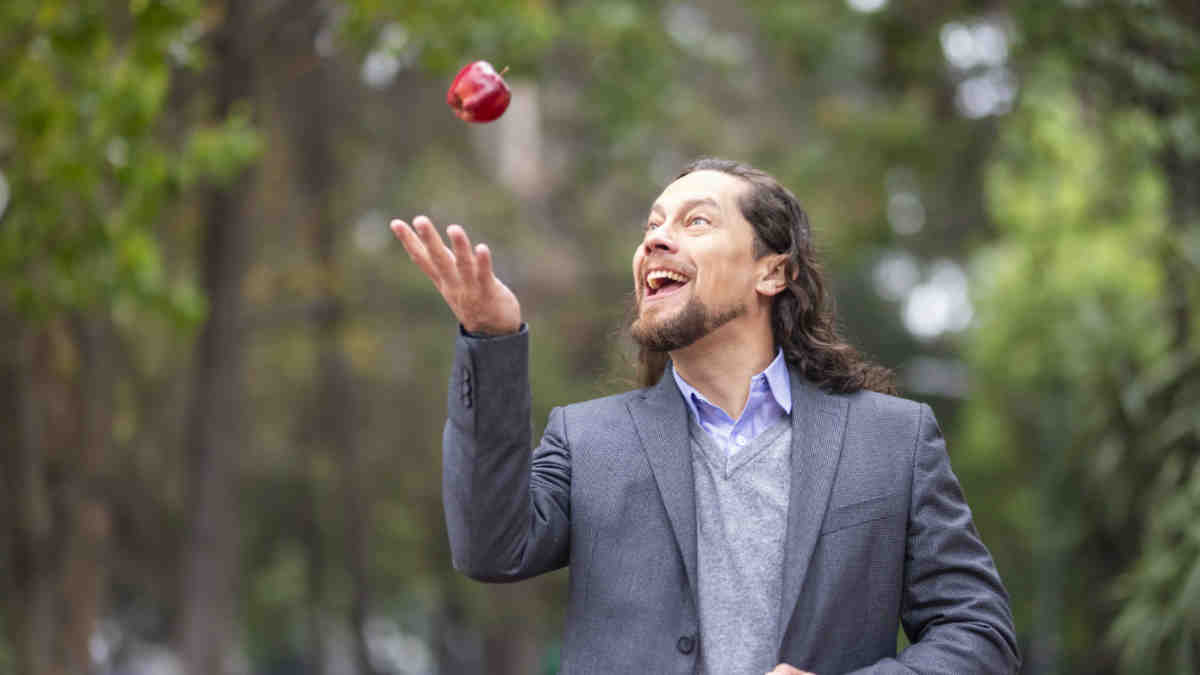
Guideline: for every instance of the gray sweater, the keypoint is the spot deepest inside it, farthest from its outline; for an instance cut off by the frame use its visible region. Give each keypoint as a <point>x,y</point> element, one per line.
<point>741,516</point>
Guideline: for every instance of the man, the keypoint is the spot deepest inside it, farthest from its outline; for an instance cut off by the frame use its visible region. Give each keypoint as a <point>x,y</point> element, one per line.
<point>757,507</point>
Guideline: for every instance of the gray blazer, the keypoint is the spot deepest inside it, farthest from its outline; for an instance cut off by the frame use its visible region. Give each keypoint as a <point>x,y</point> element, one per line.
<point>878,532</point>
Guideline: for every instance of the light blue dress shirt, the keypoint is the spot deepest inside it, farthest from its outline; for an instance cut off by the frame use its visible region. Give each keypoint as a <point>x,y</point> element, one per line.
<point>770,399</point>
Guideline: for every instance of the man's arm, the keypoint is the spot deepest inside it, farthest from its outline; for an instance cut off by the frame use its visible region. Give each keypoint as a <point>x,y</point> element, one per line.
<point>955,609</point>
<point>507,512</point>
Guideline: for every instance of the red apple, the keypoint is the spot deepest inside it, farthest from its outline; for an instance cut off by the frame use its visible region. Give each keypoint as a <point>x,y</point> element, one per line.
<point>478,93</point>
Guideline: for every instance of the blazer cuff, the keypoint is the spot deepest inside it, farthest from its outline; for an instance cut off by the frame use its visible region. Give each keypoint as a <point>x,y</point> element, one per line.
<point>490,378</point>
<point>480,335</point>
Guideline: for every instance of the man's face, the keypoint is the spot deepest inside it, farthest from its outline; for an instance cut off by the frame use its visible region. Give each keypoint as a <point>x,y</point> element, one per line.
<point>694,270</point>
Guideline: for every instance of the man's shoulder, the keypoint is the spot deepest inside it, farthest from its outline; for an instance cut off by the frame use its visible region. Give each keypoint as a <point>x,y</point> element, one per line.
<point>598,417</point>
<point>884,411</point>
<point>886,403</point>
<point>612,402</point>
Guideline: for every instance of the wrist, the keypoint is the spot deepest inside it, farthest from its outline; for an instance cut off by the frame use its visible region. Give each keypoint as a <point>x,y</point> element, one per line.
<point>480,331</point>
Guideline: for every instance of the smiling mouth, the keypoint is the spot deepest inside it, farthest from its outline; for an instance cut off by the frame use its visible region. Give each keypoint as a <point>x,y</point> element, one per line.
<point>663,282</point>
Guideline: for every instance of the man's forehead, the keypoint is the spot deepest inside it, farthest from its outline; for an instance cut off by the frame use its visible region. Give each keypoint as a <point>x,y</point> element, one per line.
<point>716,187</point>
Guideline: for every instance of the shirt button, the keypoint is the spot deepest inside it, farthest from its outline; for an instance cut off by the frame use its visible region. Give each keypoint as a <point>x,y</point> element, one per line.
<point>740,440</point>
<point>686,644</point>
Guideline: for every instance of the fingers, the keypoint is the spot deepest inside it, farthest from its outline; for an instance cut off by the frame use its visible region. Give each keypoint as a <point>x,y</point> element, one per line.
<point>414,247</point>
<point>483,264</point>
<point>464,276</point>
<point>440,256</point>
<point>463,257</point>
<point>459,263</point>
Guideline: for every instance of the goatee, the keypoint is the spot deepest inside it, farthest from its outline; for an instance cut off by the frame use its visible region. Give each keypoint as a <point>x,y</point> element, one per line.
<point>693,322</point>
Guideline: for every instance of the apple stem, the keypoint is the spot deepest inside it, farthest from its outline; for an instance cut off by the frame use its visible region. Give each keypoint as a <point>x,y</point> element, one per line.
<point>504,71</point>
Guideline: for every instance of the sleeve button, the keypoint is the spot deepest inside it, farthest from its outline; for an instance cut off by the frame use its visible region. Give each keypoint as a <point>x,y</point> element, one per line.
<point>686,644</point>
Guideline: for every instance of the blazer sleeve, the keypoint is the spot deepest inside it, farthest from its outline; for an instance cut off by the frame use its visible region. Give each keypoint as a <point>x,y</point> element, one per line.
<point>955,610</point>
<point>507,509</point>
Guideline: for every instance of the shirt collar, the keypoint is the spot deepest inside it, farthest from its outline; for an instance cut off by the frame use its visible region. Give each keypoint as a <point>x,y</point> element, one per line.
<point>776,375</point>
<point>780,381</point>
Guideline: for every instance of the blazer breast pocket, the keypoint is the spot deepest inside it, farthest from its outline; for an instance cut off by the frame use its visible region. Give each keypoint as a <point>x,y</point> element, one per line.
<point>865,511</point>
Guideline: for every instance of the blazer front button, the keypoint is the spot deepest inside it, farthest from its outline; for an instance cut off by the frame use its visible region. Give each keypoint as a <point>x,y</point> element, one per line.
<point>686,644</point>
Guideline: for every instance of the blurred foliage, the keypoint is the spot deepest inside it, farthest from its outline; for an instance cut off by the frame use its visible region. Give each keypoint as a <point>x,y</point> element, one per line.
<point>1085,346</point>
<point>89,168</point>
<point>1063,323</point>
<point>1067,202</point>
<point>513,33</point>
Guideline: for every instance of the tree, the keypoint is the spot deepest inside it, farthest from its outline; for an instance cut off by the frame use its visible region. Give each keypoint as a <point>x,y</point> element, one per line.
<point>87,94</point>
<point>1085,348</point>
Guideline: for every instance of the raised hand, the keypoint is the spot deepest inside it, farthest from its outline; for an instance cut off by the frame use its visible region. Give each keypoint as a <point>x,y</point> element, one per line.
<point>463,276</point>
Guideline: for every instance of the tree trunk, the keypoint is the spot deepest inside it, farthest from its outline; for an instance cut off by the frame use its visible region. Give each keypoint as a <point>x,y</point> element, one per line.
<point>28,519</point>
<point>509,647</point>
<point>1183,208</point>
<point>215,433</point>
<point>84,570</point>
<point>56,385</point>
<point>316,109</point>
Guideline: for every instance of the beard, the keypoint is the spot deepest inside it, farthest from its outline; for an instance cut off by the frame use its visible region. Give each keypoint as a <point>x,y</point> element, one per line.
<point>690,324</point>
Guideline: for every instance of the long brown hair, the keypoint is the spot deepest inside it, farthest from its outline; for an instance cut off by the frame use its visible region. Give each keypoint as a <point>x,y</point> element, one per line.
<point>802,315</point>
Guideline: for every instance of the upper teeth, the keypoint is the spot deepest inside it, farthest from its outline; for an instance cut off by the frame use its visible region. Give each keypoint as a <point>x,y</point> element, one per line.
<point>655,278</point>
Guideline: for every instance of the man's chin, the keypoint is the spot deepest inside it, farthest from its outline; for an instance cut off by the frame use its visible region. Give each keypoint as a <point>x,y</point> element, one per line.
<point>653,317</point>
<point>663,333</point>
<point>666,329</point>
<point>653,322</point>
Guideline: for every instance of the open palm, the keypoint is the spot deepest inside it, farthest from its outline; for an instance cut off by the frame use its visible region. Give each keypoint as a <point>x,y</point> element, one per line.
<point>463,275</point>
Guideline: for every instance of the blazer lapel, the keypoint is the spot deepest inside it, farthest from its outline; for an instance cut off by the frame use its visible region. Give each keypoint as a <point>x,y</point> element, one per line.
<point>818,423</point>
<point>661,418</point>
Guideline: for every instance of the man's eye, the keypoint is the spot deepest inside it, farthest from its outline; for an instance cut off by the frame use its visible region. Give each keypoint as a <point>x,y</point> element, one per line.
<point>698,219</point>
<point>651,225</point>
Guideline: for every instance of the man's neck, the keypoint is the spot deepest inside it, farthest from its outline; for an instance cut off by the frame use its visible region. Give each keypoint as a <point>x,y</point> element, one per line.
<point>720,365</point>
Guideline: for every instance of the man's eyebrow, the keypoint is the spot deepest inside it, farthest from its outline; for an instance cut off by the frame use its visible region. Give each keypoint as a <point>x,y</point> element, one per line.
<point>687,205</point>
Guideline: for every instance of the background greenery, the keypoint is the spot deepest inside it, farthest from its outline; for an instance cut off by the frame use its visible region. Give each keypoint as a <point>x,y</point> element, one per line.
<point>222,383</point>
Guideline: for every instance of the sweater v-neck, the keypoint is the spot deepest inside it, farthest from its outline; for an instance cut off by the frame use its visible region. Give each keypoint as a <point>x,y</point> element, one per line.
<point>726,465</point>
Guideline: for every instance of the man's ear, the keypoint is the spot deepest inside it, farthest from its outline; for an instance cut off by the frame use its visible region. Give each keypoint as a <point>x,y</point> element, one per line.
<point>772,274</point>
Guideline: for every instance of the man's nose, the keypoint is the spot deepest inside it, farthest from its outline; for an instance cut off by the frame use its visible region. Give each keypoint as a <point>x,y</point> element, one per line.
<point>659,239</point>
